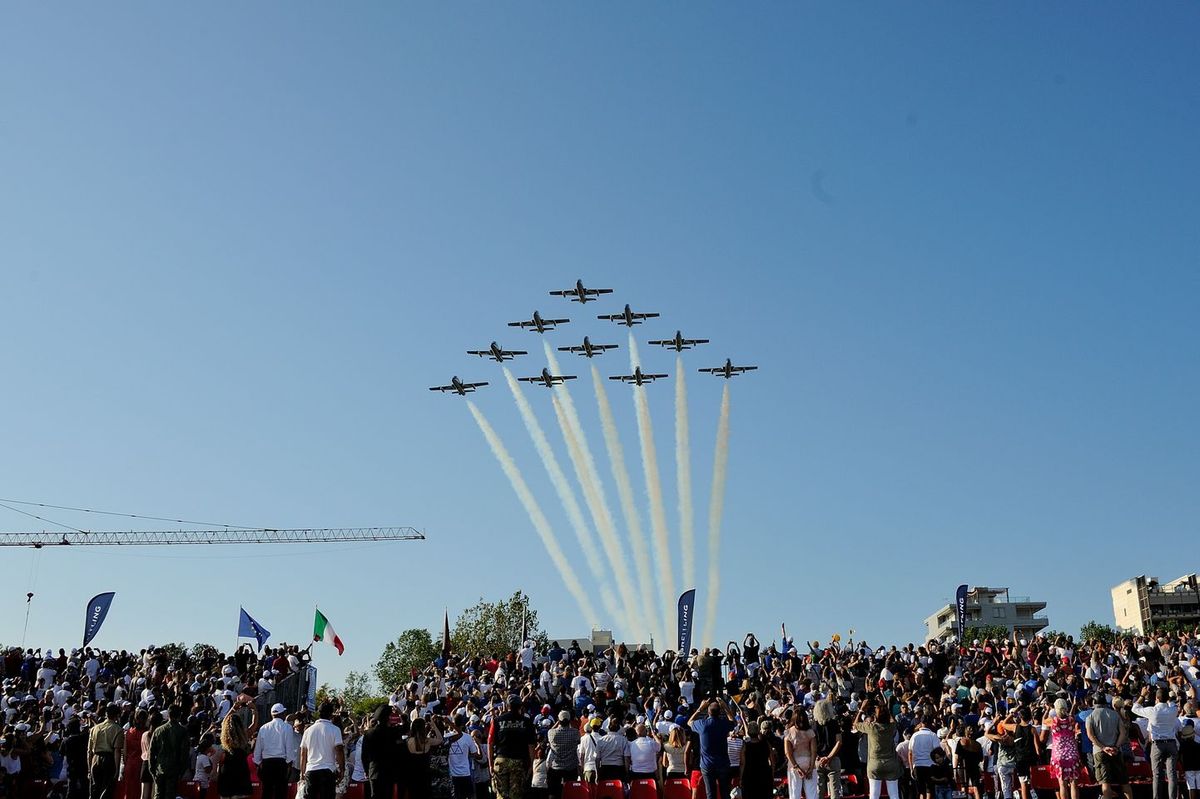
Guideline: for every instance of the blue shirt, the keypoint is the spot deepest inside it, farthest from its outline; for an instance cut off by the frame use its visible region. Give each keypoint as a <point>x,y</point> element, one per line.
<point>714,742</point>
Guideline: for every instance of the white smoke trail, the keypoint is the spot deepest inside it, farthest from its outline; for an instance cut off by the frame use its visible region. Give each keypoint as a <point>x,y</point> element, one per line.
<point>716,505</point>
<point>658,513</point>
<point>540,523</point>
<point>593,494</point>
<point>565,495</point>
<point>628,620</point>
<point>637,539</point>
<point>683,478</point>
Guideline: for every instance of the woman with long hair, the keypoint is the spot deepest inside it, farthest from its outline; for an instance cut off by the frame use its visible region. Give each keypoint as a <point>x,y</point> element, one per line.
<point>423,738</point>
<point>674,754</point>
<point>758,761</point>
<point>233,766</point>
<point>800,750</point>
<point>149,723</point>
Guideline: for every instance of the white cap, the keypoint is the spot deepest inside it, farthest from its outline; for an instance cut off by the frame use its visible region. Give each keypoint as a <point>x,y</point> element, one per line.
<point>278,709</point>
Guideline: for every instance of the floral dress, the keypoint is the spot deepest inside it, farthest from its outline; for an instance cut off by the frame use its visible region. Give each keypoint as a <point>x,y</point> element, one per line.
<point>1064,750</point>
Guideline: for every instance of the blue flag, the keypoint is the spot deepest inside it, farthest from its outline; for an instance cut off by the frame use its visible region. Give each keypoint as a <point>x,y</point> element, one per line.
<point>249,628</point>
<point>960,607</point>
<point>97,612</point>
<point>687,607</point>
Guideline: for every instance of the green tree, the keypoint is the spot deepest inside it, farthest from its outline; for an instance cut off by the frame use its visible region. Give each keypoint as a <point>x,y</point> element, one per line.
<point>494,628</point>
<point>414,649</point>
<point>202,652</point>
<point>1095,631</point>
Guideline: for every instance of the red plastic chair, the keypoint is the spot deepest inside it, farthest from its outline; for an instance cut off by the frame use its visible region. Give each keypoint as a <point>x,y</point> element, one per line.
<point>643,789</point>
<point>609,789</point>
<point>676,789</point>
<point>354,791</point>
<point>577,790</point>
<point>1041,778</point>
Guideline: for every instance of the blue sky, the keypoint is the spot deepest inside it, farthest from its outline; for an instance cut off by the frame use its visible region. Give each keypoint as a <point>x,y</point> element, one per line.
<point>960,241</point>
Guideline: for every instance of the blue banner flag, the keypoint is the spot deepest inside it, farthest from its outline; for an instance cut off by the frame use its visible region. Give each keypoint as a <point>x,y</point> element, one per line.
<point>97,612</point>
<point>687,608</point>
<point>249,628</point>
<point>960,609</point>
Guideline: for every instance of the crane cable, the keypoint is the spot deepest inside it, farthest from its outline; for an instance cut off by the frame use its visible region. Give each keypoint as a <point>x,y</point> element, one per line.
<point>110,513</point>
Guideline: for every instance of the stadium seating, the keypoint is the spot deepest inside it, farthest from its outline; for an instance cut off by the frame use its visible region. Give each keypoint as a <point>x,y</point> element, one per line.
<point>609,789</point>
<point>576,790</point>
<point>676,789</point>
<point>643,789</point>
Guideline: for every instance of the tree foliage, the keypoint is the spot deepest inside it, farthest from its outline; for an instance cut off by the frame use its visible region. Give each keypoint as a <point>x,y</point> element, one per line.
<point>1095,631</point>
<point>358,695</point>
<point>494,628</point>
<point>414,649</point>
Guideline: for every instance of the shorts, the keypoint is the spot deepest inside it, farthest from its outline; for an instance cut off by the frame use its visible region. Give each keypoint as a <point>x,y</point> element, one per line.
<point>1110,769</point>
<point>1192,778</point>
<point>923,777</point>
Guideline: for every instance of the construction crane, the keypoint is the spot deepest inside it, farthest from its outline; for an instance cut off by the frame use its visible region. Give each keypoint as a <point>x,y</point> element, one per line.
<point>264,535</point>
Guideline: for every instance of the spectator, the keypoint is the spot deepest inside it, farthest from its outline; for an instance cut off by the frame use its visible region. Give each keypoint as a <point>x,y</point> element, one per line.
<point>322,755</point>
<point>273,753</point>
<point>1163,718</point>
<point>233,766</point>
<point>170,750</point>
<point>563,740</point>
<point>105,752</point>
<point>799,748</point>
<point>713,722</point>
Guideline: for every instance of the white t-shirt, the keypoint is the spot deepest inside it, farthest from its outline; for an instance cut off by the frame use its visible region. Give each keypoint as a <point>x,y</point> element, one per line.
<point>460,753</point>
<point>320,742</point>
<point>643,755</point>
<point>580,684</point>
<point>922,744</point>
<point>687,690</point>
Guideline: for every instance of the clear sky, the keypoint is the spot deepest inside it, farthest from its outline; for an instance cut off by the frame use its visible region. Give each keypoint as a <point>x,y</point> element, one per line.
<point>239,243</point>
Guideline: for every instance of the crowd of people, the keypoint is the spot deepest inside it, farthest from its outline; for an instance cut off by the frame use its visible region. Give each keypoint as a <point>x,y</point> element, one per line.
<point>978,718</point>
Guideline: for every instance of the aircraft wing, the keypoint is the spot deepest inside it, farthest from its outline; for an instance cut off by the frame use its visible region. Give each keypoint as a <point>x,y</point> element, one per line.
<point>513,352</point>
<point>555,321</point>
<point>473,385</point>
<point>561,293</point>
<point>597,291</point>
<point>529,379</point>
<point>561,378</point>
<point>441,388</point>
<point>572,349</point>
<point>643,315</point>
<point>652,377</point>
<point>711,371</point>
<point>604,346</point>
<point>744,368</point>
<point>526,323</point>
<point>480,353</point>
<point>611,316</point>
<point>695,341</point>
<point>623,378</point>
<point>663,343</point>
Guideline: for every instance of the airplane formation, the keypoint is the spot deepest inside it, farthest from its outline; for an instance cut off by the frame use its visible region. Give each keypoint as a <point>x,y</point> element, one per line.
<point>627,317</point>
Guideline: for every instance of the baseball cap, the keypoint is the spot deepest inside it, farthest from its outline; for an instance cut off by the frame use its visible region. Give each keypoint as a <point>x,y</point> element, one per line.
<point>564,715</point>
<point>278,709</point>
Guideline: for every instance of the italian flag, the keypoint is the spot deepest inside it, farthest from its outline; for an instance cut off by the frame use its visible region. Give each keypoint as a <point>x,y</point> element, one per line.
<point>323,631</point>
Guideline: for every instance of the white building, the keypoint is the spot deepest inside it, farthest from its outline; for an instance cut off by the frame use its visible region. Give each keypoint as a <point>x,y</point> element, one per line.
<point>1141,603</point>
<point>990,607</point>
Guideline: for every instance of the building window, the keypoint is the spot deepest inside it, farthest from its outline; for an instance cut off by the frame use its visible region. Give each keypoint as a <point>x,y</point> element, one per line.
<point>998,613</point>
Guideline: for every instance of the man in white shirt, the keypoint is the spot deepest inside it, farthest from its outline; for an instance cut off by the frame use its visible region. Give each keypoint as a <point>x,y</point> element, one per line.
<point>643,755</point>
<point>920,758</point>
<point>1164,725</point>
<point>322,755</point>
<point>273,752</point>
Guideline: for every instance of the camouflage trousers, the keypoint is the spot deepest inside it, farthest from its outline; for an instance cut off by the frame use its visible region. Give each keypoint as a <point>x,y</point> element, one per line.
<point>510,778</point>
